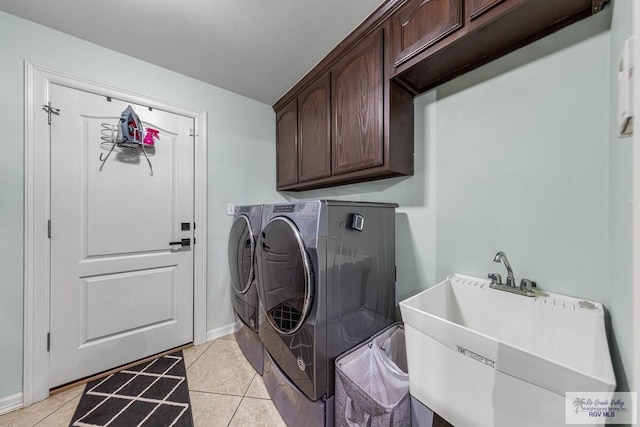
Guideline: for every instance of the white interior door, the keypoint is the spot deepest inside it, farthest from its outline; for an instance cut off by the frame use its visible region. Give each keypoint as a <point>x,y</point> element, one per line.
<point>119,290</point>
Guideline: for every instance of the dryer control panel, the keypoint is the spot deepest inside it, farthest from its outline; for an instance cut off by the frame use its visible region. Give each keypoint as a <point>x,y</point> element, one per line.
<point>304,214</point>
<point>284,208</point>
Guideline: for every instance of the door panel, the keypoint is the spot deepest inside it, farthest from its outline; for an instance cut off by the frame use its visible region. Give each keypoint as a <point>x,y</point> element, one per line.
<point>287,145</point>
<point>314,125</point>
<point>126,176</point>
<point>155,289</point>
<point>422,23</point>
<point>119,291</point>
<point>357,94</point>
<point>476,8</point>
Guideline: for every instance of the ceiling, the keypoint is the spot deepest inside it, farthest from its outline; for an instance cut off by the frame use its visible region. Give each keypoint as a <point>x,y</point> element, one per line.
<point>256,48</point>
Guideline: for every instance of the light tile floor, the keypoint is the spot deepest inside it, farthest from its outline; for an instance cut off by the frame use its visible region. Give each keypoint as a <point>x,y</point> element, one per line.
<point>223,387</point>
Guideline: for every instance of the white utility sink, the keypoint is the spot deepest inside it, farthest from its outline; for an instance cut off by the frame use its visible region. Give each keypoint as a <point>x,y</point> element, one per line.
<point>483,357</point>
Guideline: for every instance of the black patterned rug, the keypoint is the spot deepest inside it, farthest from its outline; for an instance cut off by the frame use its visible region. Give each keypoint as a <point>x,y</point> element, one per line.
<point>152,394</point>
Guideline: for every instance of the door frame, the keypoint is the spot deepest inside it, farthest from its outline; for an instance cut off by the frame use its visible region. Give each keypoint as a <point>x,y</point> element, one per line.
<point>635,305</point>
<point>37,173</point>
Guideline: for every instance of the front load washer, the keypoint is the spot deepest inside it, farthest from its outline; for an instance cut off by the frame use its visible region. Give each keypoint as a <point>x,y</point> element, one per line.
<point>327,283</point>
<point>242,249</point>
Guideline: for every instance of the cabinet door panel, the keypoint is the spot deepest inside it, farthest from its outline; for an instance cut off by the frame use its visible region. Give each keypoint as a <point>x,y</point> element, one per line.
<point>287,144</point>
<point>476,8</point>
<point>357,107</point>
<point>314,144</point>
<point>422,23</point>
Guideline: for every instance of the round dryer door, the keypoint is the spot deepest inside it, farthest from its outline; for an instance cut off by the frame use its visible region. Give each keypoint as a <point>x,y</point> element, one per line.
<point>241,251</point>
<point>286,281</point>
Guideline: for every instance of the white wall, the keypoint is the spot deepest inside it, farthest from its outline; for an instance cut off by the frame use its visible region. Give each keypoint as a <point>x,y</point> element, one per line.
<point>239,129</point>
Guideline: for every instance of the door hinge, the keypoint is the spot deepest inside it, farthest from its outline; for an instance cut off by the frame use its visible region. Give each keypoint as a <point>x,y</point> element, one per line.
<point>49,228</point>
<point>192,132</point>
<point>194,241</point>
<point>50,110</point>
<point>48,341</point>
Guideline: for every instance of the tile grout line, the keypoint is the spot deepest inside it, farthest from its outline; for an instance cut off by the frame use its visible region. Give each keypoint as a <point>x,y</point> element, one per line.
<point>249,386</point>
<point>60,408</point>
<point>200,355</point>
<point>230,395</point>
<point>217,393</point>
<point>235,412</point>
<point>46,416</point>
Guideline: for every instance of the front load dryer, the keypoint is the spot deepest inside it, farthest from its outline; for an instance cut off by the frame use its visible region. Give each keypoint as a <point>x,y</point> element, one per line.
<point>327,283</point>
<point>242,250</point>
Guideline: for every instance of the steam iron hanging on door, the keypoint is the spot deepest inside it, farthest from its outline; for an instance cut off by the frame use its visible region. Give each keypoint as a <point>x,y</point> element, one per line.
<point>128,134</point>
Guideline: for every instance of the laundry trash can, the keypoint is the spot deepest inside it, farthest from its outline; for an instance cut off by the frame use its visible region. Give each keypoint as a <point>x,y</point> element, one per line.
<point>372,384</point>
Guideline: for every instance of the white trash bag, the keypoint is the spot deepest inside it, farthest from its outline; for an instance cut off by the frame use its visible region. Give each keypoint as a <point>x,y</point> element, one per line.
<point>371,389</point>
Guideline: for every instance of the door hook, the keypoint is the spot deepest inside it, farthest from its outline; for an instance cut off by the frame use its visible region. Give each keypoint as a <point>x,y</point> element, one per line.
<point>106,157</point>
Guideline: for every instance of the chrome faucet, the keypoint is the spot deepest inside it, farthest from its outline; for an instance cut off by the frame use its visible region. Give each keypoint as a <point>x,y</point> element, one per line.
<point>502,257</point>
<point>526,285</point>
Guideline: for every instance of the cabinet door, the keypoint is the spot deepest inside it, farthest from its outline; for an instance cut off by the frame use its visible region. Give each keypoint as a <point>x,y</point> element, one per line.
<point>476,8</point>
<point>357,107</point>
<point>314,129</point>
<point>420,24</point>
<point>287,144</point>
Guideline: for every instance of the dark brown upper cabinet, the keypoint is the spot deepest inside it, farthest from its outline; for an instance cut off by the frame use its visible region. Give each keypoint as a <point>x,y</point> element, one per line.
<point>476,8</point>
<point>314,130</point>
<point>287,144</point>
<point>350,119</point>
<point>357,105</point>
<point>433,41</point>
<point>353,124</point>
<point>420,24</point>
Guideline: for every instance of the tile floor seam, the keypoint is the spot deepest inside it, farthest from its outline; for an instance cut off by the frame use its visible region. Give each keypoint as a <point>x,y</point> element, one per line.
<point>258,398</point>
<point>46,416</point>
<point>219,394</point>
<point>235,412</point>
<point>53,413</point>
<point>249,386</point>
<point>199,356</point>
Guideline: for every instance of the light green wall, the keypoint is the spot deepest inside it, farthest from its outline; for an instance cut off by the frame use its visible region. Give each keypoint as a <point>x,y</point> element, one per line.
<point>522,165</point>
<point>619,300</point>
<point>514,156</point>
<point>239,129</point>
<point>519,155</point>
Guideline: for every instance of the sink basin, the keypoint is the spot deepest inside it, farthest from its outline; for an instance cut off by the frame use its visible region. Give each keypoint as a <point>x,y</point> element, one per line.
<point>478,356</point>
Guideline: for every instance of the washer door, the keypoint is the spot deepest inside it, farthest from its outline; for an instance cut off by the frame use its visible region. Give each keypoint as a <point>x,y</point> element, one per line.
<point>286,284</point>
<point>241,251</point>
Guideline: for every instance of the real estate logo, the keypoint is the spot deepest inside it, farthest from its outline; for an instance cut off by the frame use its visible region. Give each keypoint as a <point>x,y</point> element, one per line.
<point>600,408</point>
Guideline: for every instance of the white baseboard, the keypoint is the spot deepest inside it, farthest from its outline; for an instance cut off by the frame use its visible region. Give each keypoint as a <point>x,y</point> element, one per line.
<point>220,332</point>
<point>10,403</point>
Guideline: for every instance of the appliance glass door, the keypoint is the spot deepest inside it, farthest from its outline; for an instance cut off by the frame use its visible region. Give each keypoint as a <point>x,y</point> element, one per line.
<point>286,283</point>
<point>241,251</point>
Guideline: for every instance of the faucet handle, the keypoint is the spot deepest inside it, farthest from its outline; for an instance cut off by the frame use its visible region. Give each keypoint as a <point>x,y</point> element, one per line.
<point>527,285</point>
<point>496,279</point>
